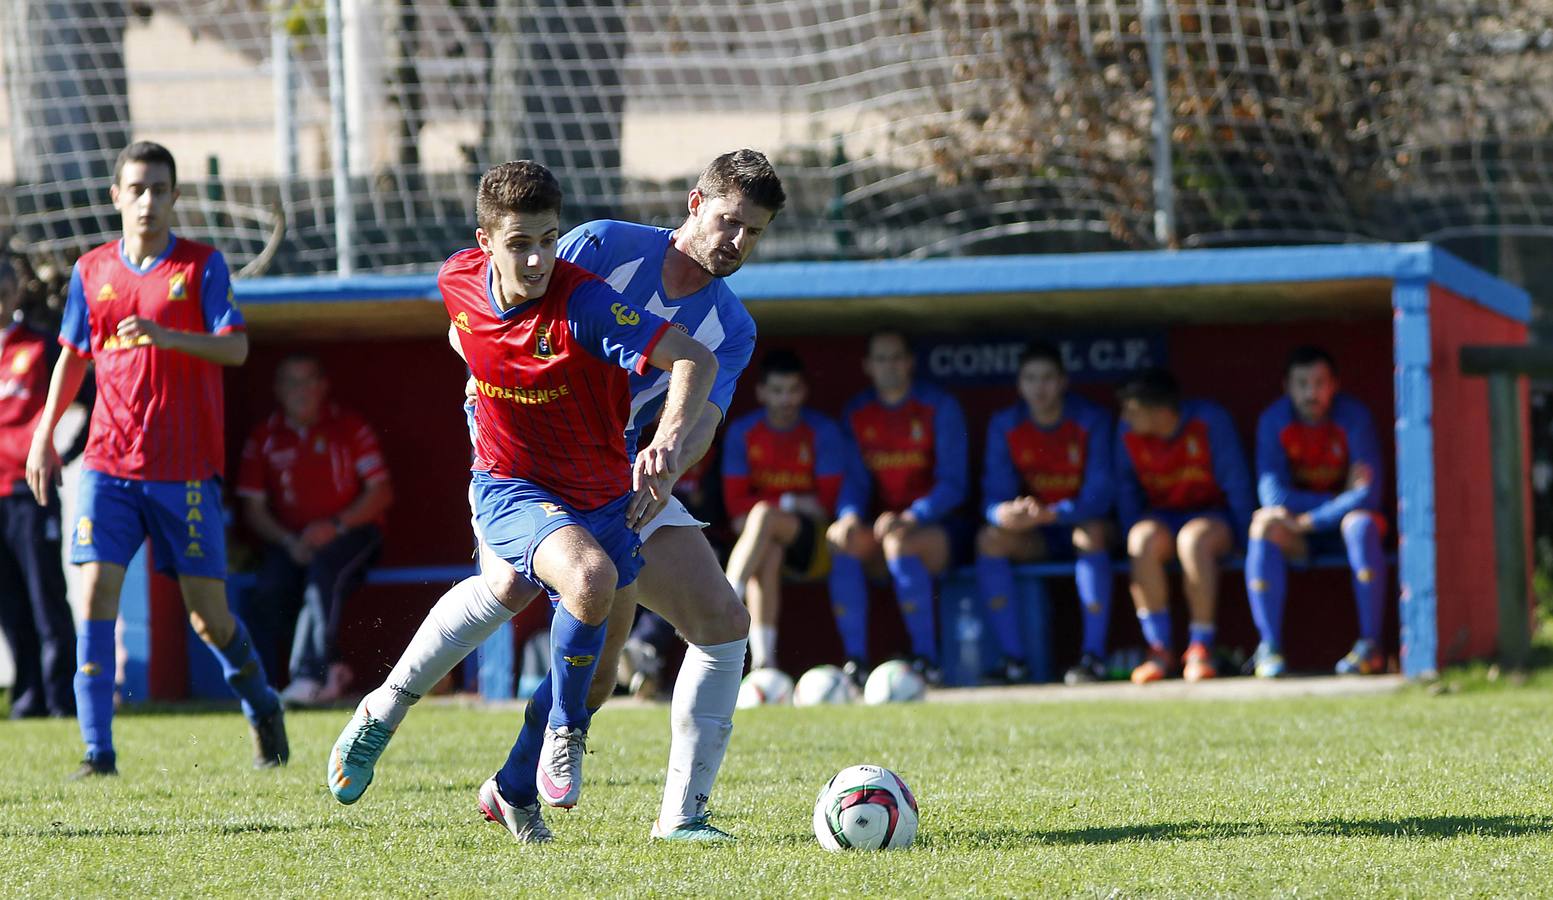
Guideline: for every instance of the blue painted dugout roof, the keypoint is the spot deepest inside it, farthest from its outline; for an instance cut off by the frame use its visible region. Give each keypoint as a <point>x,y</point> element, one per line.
<point>963,276</point>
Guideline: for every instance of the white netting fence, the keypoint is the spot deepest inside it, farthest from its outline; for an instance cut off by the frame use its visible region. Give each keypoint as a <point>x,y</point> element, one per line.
<point>918,127</point>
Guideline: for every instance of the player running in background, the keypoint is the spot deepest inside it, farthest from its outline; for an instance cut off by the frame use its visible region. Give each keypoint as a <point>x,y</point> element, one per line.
<point>1047,492</point>
<point>910,468</point>
<point>1318,478</point>
<point>1182,492</point>
<point>680,273</point>
<point>154,312</point>
<point>782,467</point>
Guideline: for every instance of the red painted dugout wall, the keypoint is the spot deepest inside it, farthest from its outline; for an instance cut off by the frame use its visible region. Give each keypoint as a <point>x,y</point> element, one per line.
<point>1467,583</point>
<point>411,389</point>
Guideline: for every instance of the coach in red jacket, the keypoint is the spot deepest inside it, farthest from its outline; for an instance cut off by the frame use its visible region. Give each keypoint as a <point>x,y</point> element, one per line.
<point>314,486</point>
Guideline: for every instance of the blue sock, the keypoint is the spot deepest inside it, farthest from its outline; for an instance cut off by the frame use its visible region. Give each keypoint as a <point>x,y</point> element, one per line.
<point>574,654</point>
<point>95,667</point>
<point>244,673</point>
<point>1368,562</point>
<point>1156,629</point>
<point>995,584</point>
<point>914,592</point>
<point>1092,573</point>
<point>516,778</point>
<point>849,603</point>
<point>1202,634</point>
<point>1267,586</point>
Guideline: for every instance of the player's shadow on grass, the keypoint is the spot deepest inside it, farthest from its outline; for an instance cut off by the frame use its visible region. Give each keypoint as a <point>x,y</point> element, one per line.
<point>61,830</point>
<point>1406,827</point>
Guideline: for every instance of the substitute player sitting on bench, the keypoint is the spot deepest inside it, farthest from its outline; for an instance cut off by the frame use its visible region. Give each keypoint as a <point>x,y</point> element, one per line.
<point>1318,478</point>
<point>782,467</point>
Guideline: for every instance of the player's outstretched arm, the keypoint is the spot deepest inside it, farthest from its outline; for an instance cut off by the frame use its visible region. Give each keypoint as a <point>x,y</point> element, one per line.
<point>230,349</point>
<point>692,369</point>
<point>42,459</point>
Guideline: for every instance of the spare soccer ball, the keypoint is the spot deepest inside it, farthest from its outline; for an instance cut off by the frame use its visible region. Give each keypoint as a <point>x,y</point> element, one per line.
<point>865,808</point>
<point>765,687</point>
<point>824,684</point>
<point>893,682</point>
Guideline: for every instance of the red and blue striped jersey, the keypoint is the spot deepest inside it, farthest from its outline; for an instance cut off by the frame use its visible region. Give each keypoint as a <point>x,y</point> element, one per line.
<point>1199,467</point>
<point>908,456</point>
<point>159,413</point>
<point>1304,467</point>
<point>1067,466</point>
<point>553,392</point>
<point>24,386</point>
<point>763,463</point>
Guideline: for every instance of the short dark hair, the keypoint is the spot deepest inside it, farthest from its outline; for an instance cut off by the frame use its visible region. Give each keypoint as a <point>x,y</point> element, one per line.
<point>1151,387</point>
<point>1309,354</point>
<point>1041,350</point>
<point>523,186</point>
<point>780,361</point>
<point>894,333</point>
<point>744,172</point>
<point>145,152</point>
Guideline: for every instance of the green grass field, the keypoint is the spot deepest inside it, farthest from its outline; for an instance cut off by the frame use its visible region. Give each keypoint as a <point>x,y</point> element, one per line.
<point>1415,793</point>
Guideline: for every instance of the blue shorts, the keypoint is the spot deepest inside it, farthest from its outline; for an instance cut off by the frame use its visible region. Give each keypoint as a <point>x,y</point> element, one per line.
<point>183,519</point>
<point>514,516</point>
<point>1174,519</point>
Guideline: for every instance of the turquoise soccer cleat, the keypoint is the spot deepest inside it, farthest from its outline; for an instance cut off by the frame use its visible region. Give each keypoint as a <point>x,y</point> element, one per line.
<point>696,831</point>
<point>355,754</point>
<point>1268,662</point>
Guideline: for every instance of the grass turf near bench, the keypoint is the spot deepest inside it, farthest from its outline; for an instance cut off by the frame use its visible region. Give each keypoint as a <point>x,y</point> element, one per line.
<point>1407,793</point>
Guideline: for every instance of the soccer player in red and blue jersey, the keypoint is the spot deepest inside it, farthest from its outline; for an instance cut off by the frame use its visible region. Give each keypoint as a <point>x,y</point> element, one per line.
<point>1046,490</point>
<point>1318,477</point>
<point>549,347</point>
<point>1182,492</point>
<point>34,613</point>
<point>154,312</point>
<point>906,478</point>
<point>678,274</point>
<point>782,468</point>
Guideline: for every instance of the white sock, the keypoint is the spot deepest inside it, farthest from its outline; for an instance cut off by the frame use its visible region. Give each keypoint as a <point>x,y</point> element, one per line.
<point>762,645</point>
<point>461,621</point>
<point>700,723</point>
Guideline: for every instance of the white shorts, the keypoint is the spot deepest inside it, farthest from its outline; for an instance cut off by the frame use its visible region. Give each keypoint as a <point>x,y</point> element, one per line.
<point>674,513</point>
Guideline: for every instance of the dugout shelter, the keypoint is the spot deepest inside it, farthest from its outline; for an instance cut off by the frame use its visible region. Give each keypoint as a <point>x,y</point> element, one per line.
<point>1394,316</point>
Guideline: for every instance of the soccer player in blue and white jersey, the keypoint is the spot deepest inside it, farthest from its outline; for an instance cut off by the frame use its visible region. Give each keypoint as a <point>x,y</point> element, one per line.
<point>1318,478</point>
<point>678,275</point>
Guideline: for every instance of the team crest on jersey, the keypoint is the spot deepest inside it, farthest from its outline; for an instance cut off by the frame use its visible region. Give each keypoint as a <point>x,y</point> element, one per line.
<point>542,347</point>
<point>803,454</point>
<point>177,289</point>
<point>461,322</point>
<point>916,429</point>
<point>1073,454</point>
<point>106,293</point>
<point>1192,449</point>
<point>83,532</point>
<point>20,361</point>
<point>625,315</point>
<point>756,453</point>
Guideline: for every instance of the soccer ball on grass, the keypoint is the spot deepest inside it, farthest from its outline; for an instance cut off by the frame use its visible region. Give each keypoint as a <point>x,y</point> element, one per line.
<point>865,808</point>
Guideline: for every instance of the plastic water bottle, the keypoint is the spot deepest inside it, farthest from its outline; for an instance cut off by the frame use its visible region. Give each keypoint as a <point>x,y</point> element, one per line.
<point>967,630</point>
